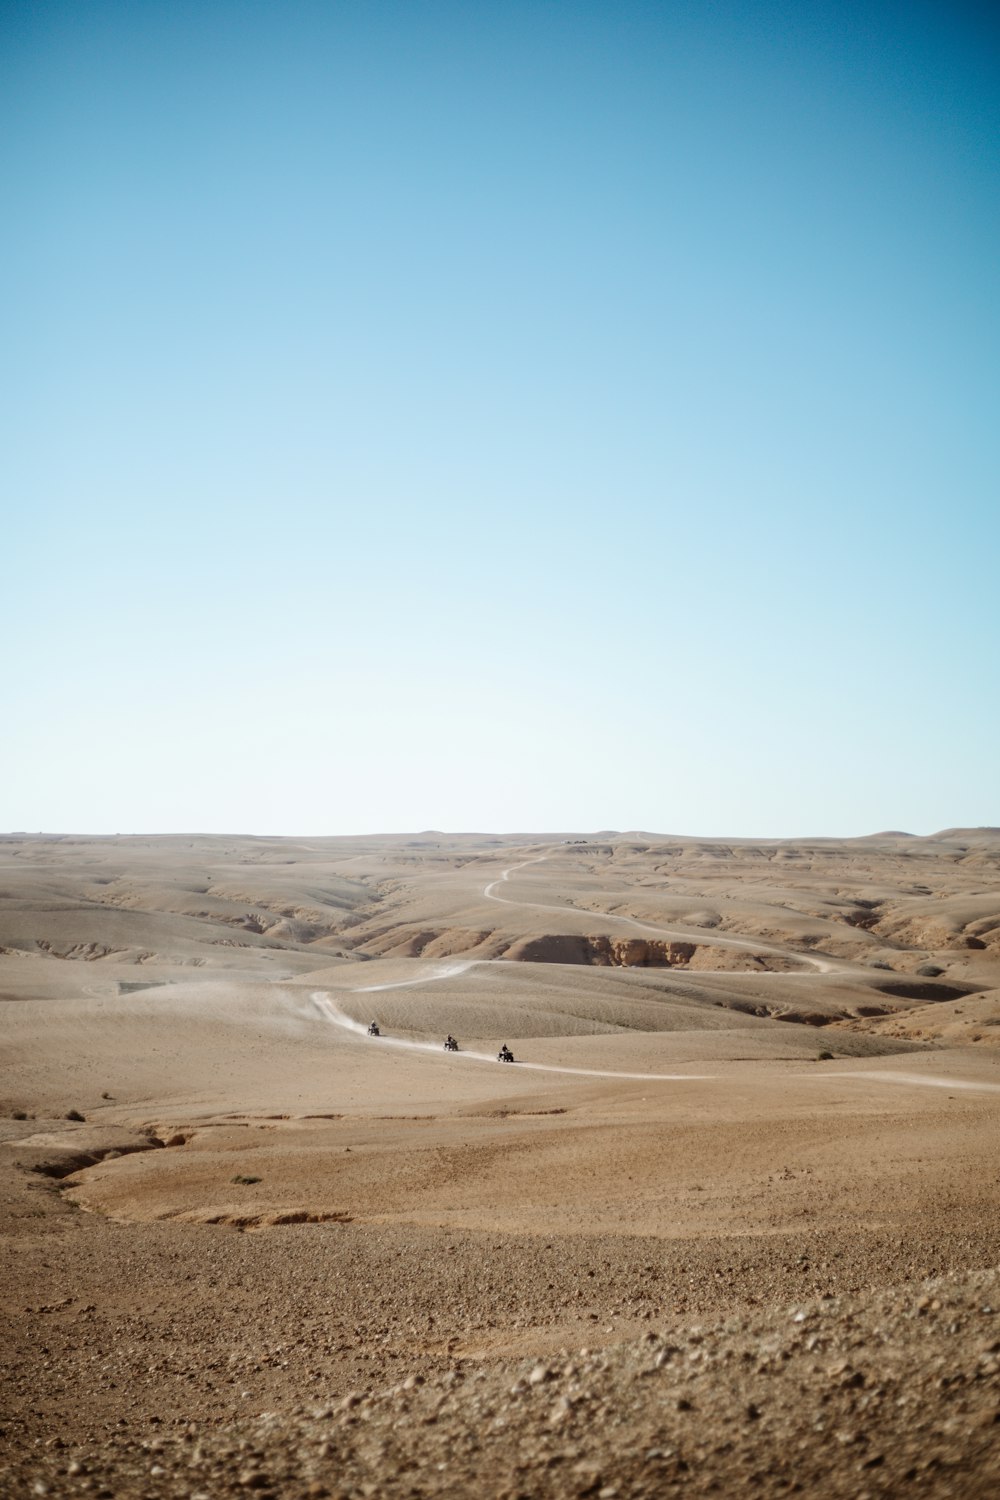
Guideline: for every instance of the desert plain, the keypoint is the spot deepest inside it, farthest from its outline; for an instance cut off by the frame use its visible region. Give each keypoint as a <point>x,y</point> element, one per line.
<point>728,1224</point>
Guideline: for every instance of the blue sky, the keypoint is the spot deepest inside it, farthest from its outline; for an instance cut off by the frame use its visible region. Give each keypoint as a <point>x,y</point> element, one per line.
<point>529,416</point>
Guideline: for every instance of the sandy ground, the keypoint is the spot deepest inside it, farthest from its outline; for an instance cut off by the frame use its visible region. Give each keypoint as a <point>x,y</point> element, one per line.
<point>730,1220</point>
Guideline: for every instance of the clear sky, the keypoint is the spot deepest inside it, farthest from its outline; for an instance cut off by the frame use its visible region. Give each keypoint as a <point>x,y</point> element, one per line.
<point>511,416</point>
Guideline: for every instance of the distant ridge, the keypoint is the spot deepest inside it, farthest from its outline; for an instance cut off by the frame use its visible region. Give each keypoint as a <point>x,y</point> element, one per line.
<point>980,835</point>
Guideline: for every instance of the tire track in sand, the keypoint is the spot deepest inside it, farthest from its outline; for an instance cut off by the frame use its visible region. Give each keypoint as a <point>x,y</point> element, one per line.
<point>676,934</point>
<point>328,1008</point>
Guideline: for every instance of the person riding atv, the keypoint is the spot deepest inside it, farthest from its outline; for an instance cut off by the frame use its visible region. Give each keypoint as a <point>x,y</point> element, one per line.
<point>450,1043</point>
<point>373,1029</point>
<point>505,1054</point>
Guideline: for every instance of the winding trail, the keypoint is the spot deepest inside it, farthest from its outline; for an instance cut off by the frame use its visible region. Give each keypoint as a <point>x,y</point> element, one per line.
<point>932,1081</point>
<point>328,1008</point>
<point>331,1011</point>
<point>439,971</point>
<point>700,936</point>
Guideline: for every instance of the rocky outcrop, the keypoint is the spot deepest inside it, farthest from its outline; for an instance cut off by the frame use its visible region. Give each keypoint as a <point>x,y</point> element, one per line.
<point>605,952</point>
<point>599,950</point>
<point>60,1153</point>
<point>642,953</point>
<point>429,942</point>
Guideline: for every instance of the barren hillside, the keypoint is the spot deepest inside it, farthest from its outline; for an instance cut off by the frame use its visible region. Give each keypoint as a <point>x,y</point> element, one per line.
<point>747,1148</point>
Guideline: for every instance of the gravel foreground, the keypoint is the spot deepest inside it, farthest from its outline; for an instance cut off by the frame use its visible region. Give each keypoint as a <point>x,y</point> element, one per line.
<point>898,1393</point>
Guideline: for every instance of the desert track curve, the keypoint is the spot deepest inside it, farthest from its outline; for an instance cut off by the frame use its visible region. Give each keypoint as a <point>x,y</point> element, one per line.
<point>677,934</point>
<point>331,1011</point>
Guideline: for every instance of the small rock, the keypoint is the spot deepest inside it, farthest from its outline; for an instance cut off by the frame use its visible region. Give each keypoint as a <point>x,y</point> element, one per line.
<point>588,1477</point>
<point>559,1413</point>
<point>539,1375</point>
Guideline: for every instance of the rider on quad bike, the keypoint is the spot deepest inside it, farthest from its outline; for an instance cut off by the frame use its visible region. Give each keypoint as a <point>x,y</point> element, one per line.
<point>505,1054</point>
<point>373,1029</point>
<point>450,1044</point>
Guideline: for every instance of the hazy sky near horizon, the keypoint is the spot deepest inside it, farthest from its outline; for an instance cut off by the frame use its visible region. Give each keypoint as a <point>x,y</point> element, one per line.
<point>520,416</point>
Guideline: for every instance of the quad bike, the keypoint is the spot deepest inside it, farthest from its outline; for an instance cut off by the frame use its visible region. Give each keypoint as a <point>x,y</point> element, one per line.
<point>451,1045</point>
<point>373,1029</point>
<point>505,1054</point>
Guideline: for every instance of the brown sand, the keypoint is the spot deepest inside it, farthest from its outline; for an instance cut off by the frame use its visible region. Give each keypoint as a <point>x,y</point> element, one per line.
<point>278,1255</point>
